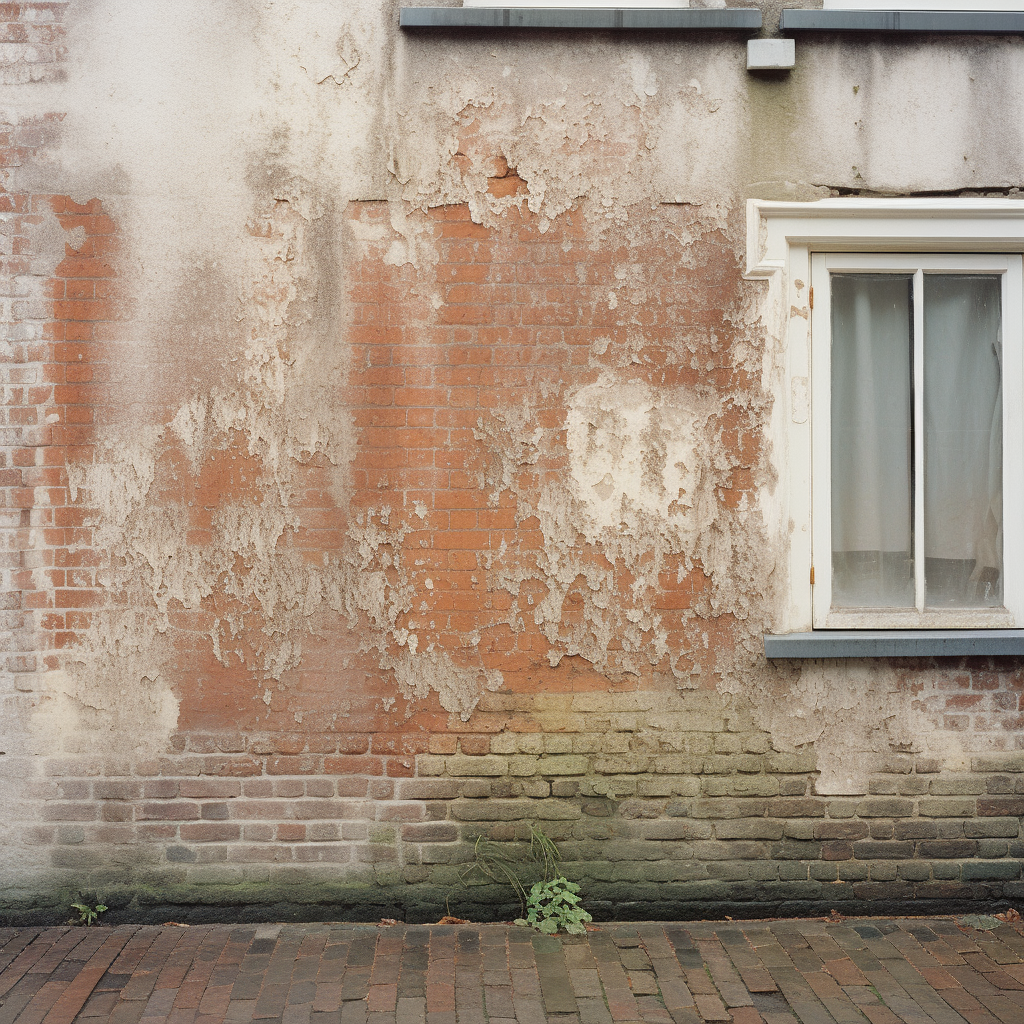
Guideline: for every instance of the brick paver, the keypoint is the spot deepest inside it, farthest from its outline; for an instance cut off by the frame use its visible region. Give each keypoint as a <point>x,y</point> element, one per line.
<point>901,971</point>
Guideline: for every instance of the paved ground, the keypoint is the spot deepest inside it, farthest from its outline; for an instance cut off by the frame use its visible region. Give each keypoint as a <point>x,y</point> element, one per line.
<point>779,972</point>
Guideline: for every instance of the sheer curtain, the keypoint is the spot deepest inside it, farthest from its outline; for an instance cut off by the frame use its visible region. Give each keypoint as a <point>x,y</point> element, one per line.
<point>963,449</point>
<point>873,442</point>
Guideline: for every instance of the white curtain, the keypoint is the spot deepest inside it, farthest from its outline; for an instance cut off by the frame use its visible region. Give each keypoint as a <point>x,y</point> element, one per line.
<point>872,440</point>
<point>872,445</point>
<point>963,413</point>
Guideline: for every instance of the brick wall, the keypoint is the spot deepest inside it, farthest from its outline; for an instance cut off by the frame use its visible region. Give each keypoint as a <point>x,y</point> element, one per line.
<point>32,454</point>
<point>663,807</point>
<point>469,649</point>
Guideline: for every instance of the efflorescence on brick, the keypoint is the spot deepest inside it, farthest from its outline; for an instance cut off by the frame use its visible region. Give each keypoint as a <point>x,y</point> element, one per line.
<point>426,522</point>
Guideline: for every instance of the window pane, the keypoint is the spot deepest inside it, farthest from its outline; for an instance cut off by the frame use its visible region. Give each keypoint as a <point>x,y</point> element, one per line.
<point>872,441</point>
<point>963,449</point>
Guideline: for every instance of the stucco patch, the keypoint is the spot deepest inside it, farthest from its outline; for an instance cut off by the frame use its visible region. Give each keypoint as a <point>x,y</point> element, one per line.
<point>633,454</point>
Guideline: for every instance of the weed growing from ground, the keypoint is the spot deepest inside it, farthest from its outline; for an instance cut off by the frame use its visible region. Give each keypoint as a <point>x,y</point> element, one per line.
<point>87,915</point>
<point>554,906</point>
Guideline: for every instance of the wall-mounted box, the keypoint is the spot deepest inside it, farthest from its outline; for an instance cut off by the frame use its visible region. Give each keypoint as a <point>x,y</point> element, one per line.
<point>770,54</point>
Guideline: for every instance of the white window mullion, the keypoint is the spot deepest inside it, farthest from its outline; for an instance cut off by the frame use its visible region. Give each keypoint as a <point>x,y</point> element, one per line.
<point>919,440</point>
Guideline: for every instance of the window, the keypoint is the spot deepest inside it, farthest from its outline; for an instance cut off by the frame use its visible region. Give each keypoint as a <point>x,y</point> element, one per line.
<point>899,423</point>
<point>925,5</point>
<point>909,485</point>
<point>576,3</point>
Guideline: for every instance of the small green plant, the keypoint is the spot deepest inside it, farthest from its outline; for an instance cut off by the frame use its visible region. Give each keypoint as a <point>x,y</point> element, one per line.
<point>554,906</point>
<point>86,914</point>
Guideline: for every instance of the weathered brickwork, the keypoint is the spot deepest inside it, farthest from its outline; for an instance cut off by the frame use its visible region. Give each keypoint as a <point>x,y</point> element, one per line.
<point>37,424</point>
<point>662,806</point>
<point>421,523</point>
<point>32,40</point>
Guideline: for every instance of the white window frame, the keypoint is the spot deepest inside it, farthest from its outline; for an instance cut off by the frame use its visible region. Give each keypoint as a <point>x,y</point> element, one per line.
<point>966,6</point>
<point>781,238</point>
<point>1008,268</point>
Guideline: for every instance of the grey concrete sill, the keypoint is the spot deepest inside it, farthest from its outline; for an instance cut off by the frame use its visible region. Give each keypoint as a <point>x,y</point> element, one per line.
<point>729,19</point>
<point>894,643</point>
<point>966,21</point>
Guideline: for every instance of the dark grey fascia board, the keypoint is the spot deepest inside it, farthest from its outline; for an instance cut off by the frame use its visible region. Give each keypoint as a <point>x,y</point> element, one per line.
<point>970,22</point>
<point>895,643</point>
<point>736,19</point>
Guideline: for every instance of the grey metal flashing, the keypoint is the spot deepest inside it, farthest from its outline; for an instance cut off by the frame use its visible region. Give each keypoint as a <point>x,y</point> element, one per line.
<point>894,643</point>
<point>732,19</point>
<point>965,21</point>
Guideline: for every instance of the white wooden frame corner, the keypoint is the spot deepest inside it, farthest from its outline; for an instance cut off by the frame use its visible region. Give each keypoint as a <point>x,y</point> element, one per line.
<point>781,236</point>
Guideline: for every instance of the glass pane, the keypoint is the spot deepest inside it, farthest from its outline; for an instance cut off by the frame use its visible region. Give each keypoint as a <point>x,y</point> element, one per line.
<point>872,441</point>
<point>963,441</point>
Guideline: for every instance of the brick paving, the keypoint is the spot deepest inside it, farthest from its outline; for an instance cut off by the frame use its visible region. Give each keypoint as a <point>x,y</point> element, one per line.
<point>870,971</point>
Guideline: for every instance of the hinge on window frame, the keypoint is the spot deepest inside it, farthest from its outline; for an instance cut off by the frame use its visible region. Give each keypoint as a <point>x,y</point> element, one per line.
<point>812,575</point>
<point>810,303</point>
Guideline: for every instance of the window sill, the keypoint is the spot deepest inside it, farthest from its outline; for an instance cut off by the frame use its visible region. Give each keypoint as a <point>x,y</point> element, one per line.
<point>708,19</point>
<point>893,643</point>
<point>965,21</point>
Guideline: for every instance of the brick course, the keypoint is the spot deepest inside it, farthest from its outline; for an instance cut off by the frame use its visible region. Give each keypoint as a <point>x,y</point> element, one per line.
<point>748,853</point>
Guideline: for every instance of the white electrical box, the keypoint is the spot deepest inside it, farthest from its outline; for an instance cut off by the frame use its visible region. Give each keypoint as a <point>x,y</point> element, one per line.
<point>770,54</point>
